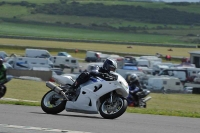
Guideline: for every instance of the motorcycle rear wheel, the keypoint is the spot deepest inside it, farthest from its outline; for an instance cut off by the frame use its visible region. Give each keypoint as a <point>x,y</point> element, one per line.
<point>3,90</point>
<point>52,103</point>
<point>113,110</point>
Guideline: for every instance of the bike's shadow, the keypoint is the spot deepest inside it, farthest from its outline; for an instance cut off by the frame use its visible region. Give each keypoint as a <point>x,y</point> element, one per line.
<point>72,115</point>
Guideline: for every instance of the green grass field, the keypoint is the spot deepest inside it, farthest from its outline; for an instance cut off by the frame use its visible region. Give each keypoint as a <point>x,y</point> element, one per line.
<point>177,35</point>
<point>186,105</point>
<point>73,33</point>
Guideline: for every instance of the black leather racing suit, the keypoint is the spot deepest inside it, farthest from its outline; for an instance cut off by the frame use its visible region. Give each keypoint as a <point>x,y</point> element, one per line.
<point>85,76</point>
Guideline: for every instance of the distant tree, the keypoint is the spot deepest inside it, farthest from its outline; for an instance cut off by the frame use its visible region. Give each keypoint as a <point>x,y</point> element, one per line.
<point>127,12</point>
<point>63,1</point>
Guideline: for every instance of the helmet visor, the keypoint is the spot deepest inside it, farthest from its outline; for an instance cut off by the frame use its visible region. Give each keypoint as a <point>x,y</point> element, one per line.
<point>112,69</point>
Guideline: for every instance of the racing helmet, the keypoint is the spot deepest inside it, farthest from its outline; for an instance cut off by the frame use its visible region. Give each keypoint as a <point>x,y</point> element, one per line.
<point>133,77</point>
<point>110,65</point>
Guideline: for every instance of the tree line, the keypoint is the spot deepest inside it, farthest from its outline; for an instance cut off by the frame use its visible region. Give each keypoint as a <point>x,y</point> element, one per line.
<point>126,12</point>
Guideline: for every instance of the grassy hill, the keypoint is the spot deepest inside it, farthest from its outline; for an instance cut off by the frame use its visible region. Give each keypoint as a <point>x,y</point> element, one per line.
<point>23,18</point>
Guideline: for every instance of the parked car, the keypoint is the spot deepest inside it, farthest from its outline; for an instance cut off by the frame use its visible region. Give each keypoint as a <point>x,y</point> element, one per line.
<point>63,54</point>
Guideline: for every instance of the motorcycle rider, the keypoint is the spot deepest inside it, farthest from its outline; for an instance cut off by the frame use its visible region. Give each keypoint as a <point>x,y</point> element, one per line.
<point>2,72</point>
<point>103,72</point>
<point>134,87</point>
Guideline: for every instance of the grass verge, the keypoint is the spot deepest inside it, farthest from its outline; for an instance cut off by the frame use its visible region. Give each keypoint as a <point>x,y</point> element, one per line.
<point>184,105</point>
<point>20,103</point>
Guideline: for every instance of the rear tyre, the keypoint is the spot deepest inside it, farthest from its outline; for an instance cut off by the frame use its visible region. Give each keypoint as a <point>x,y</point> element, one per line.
<point>52,103</point>
<point>113,110</point>
<point>3,90</point>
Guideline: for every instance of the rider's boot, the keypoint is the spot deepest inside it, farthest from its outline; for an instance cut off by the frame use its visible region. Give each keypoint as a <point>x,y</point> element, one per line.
<point>72,89</point>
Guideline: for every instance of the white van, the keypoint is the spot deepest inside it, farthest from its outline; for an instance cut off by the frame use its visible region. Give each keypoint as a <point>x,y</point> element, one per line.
<point>37,53</point>
<point>182,74</point>
<point>64,61</point>
<point>160,84</point>
<point>28,63</point>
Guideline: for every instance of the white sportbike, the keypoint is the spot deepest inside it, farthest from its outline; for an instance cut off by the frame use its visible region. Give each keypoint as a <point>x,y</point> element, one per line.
<point>95,96</point>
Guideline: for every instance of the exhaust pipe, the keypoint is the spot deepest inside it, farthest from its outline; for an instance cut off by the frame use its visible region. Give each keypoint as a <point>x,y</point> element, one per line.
<point>146,99</point>
<point>56,89</point>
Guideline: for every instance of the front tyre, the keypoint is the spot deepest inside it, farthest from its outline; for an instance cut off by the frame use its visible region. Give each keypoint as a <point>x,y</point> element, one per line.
<point>114,109</point>
<point>52,103</point>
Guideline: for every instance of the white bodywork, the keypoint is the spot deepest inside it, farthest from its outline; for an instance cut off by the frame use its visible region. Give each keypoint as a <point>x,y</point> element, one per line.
<point>88,99</point>
<point>63,79</point>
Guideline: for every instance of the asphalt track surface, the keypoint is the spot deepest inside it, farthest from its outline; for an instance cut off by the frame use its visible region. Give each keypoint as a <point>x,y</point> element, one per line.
<point>29,119</point>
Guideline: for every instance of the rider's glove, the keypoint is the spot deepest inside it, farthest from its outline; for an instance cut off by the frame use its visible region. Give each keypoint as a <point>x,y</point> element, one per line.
<point>104,75</point>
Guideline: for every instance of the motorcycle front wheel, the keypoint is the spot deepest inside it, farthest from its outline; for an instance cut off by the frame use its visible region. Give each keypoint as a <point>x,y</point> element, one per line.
<point>3,90</point>
<point>114,109</point>
<point>52,103</point>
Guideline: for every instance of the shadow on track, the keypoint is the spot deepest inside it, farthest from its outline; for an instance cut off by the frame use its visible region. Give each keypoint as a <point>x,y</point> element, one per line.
<point>70,115</point>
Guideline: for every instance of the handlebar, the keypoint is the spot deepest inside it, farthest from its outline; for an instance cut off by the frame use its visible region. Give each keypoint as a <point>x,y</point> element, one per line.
<point>109,77</point>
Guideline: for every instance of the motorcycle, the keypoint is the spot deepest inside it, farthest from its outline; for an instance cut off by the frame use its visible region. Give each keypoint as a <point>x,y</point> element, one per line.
<point>142,98</point>
<point>96,96</point>
<point>3,88</point>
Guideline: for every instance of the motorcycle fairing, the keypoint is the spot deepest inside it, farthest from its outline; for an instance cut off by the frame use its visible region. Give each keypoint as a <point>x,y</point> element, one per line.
<point>88,99</point>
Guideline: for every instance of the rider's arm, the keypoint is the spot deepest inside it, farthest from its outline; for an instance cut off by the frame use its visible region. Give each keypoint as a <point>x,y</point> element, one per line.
<point>138,84</point>
<point>102,74</point>
<point>94,73</point>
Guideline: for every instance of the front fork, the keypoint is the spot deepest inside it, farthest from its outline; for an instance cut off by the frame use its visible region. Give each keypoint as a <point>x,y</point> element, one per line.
<point>111,97</point>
